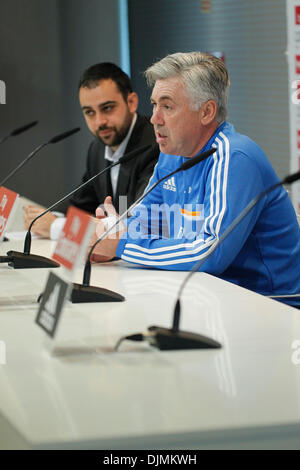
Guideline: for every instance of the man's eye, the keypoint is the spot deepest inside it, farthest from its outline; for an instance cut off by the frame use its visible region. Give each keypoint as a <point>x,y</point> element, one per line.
<point>89,112</point>
<point>107,109</point>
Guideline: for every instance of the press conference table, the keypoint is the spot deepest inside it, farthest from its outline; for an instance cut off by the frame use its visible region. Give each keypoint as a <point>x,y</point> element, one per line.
<point>76,392</point>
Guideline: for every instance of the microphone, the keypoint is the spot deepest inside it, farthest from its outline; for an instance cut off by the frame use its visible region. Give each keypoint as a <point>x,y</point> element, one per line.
<point>86,293</point>
<point>287,180</point>
<point>18,131</point>
<point>124,159</point>
<point>19,260</point>
<point>25,259</point>
<point>173,338</point>
<point>35,151</point>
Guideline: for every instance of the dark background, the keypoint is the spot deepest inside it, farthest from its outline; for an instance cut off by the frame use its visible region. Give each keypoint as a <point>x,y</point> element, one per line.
<point>45,45</point>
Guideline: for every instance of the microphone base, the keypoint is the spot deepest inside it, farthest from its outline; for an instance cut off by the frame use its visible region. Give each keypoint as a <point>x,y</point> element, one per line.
<point>166,339</point>
<point>82,294</point>
<point>18,260</point>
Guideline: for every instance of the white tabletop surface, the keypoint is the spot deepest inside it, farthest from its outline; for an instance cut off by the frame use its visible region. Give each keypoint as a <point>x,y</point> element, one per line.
<point>76,392</point>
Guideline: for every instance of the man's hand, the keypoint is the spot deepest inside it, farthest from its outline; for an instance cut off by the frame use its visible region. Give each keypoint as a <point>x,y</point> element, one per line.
<point>41,226</point>
<point>106,249</point>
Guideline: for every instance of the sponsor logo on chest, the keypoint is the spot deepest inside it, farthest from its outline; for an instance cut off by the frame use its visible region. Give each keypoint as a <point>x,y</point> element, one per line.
<point>170,184</point>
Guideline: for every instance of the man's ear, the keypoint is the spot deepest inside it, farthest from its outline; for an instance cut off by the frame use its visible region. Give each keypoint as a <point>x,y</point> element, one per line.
<point>208,112</point>
<point>132,102</point>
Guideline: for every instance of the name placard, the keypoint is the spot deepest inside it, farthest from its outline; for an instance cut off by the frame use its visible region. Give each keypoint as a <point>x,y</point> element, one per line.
<point>52,303</point>
<point>8,203</point>
<point>69,252</point>
<point>74,239</point>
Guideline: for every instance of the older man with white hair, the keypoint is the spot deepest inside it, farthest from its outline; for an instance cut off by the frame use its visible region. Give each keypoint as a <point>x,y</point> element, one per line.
<point>189,100</point>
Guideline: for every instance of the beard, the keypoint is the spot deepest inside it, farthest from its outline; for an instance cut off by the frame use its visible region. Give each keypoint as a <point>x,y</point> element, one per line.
<point>118,134</point>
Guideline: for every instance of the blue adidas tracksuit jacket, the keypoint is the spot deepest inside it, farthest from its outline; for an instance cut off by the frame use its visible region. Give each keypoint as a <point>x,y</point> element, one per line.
<point>261,254</point>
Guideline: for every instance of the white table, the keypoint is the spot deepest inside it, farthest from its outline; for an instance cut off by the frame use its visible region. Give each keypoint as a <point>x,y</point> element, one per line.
<point>76,392</point>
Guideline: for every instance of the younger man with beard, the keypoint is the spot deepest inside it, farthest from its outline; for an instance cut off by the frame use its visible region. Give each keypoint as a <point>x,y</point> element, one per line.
<point>109,106</point>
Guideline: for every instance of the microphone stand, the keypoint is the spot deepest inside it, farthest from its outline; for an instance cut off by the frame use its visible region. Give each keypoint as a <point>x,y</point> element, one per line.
<point>173,338</point>
<point>27,260</point>
<point>18,131</point>
<point>125,158</point>
<point>35,151</point>
<point>16,259</point>
<point>23,163</point>
<point>86,293</point>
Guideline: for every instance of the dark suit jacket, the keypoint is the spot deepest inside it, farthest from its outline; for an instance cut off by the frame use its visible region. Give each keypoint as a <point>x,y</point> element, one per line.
<point>133,175</point>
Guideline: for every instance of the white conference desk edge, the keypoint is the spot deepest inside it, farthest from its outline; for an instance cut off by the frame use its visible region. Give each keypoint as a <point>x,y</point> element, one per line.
<point>281,431</point>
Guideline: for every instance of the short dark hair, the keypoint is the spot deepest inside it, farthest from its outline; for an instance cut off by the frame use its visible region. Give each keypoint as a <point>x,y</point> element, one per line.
<point>105,71</point>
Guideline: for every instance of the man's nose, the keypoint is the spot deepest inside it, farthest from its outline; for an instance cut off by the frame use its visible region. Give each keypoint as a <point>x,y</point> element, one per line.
<point>156,117</point>
<point>101,120</point>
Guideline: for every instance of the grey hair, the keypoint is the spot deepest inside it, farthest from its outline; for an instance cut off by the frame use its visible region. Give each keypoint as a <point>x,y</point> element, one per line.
<point>204,76</point>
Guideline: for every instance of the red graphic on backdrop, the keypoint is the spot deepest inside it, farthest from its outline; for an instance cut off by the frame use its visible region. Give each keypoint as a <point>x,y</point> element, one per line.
<point>205,6</point>
<point>298,89</point>
<point>297,14</point>
<point>68,246</point>
<point>298,139</point>
<point>7,201</point>
<point>297,64</point>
